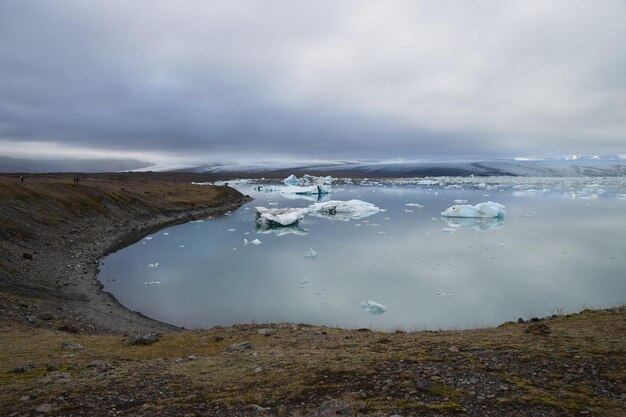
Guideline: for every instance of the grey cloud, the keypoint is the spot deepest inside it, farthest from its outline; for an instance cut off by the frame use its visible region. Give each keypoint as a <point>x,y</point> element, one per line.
<point>318,79</point>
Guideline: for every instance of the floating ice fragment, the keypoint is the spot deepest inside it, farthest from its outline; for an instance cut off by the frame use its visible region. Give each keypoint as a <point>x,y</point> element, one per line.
<point>165,234</point>
<point>181,246</point>
<point>414,205</point>
<point>448,230</point>
<point>372,307</point>
<point>256,242</point>
<point>279,216</point>
<point>154,265</point>
<point>148,237</point>
<point>460,201</point>
<point>408,211</point>
<point>291,180</point>
<point>482,210</point>
<point>231,230</point>
<point>343,210</point>
<point>427,182</point>
<point>152,283</point>
<point>311,254</point>
<point>439,292</point>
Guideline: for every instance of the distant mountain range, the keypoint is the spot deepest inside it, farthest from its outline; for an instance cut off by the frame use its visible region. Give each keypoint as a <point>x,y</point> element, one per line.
<point>534,167</point>
<point>69,165</point>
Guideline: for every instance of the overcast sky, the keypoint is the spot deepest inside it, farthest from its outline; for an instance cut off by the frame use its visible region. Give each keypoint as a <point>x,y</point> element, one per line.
<point>260,80</point>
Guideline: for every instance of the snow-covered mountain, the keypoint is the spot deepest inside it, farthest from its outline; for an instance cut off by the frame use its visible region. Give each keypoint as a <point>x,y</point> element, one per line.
<point>533,167</point>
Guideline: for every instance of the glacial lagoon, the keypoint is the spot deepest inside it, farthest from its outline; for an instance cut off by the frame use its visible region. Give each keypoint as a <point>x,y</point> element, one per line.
<point>560,248</point>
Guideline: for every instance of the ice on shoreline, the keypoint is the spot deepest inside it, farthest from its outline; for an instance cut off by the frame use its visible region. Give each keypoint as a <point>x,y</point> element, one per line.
<point>481,210</point>
<point>343,210</point>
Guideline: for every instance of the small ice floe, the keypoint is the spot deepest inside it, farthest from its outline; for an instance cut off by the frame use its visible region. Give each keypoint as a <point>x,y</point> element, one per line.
<point>414,205</point>
<point>460,201</point>
<point>231,230</point>
<point>181,246</point>
<point>382,233</point>
<point>154,265</point>
<point>165,234</point>
<point>279,216</point>
<point>481,210</point>
<point>427,182</point>
<point>372,307</point>
<point>255,242</point>
<point>272,203</point>
<point>311,254</point>
<point>449,230</point>
<point>343,210</point>
<point>439,292</point>
<point>148,238</point>
<point>152,283</point>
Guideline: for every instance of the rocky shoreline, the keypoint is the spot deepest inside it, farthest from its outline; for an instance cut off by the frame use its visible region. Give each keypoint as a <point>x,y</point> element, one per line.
<point>53,262</point>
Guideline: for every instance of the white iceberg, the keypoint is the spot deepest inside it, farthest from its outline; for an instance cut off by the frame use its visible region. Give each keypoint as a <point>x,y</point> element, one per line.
<point>414,205</point>
<point>482,210</point>
<point>279,216</point>
<point>255,242</point>
<point>311,254</point>
<point>372,307</point>
<point>439,292</point>
<point>291,180</point>
<point>154,265</point>
<point>344,210</point>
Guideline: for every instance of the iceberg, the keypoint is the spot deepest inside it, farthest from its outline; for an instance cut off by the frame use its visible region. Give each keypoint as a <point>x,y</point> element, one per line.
<point>482,210</point>
<point>291,180</point>
<point>279,216</point>
<point>311,254</point>
<point>255,242</point>
<point>372,307</point>
<point>343,210</point>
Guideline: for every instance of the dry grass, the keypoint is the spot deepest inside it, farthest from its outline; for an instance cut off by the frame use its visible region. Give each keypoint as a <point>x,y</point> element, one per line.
<point>303,364</point>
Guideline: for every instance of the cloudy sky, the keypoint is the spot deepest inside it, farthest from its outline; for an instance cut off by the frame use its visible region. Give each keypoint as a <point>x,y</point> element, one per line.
<point>261,80</point>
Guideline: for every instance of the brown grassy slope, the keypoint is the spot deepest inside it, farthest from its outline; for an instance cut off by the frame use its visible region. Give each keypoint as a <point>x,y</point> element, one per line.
<point>52,233</point>
<point>577,367</point>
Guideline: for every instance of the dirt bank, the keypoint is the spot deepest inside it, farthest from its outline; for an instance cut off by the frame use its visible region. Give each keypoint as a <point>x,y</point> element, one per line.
<point>53,231</point>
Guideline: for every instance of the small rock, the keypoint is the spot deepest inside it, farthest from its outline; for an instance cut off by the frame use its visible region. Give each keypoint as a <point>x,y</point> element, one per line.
<point>51,368</point>
<point>453,349</point>
<point>26,398</point>
<point>258,370</point>
<point>520,320</point>
<point>47,316</point>
<point>264,332</point>
<point>239,347</point>
<point>534,319</point>
<point>332,408</point>
<point>423,385</point>
<point>256,407</point>
<point>43,408</point>
<point>28,256</point>
<point>97,364</point>
<point>71,346</point>
<point>68,328</point>
<point>145,339</point>
<point>19,370</point>
<point>218,338</point>
<point>192,358</point>
<point>540,329</point>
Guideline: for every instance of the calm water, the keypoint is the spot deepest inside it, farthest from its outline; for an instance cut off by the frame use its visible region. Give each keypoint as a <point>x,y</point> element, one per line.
<point>561,247</point>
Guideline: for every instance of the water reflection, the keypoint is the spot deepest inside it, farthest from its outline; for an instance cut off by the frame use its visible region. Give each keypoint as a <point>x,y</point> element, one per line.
<point>278,230</point>
<point>566,255</point>
<point>482,224</point>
